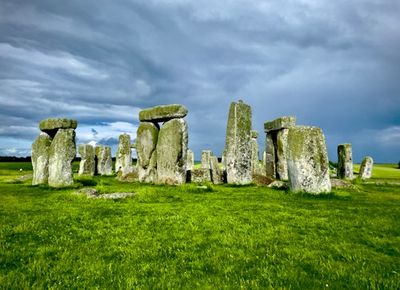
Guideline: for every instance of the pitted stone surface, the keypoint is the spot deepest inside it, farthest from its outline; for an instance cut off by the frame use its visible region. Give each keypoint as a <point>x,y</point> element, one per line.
<point>345,161</point>
<point>217,175</point>
<point>285,122</point>
<point>146,145</point>
<point>308,166</point>
<point>206,159</point>
<point>123,160</point>
<point>269,159</point>
<point>281,152</point>
<point>171,152</point>
<point>201,175</point>
<point>104,160</point>
<point>51,125</point>
<point>237,149</point>
<point>62,153</point>
<point>40,159</point>
<point>87,166</point>
<point>190,160</point>
<point>366,167</point>
<point>255,162</point>
<point>163,113</point>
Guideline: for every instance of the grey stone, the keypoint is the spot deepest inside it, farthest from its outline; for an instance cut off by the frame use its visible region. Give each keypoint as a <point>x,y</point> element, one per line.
<point>281,154</point>
<point>162,113</point>
<point>171,152</point>
<point>146,145</point>
<point>366,168</point>
<point>190,160</point>
<point>40,159</point>
<point>206,159</point>
<point>123,159</point>
<point>87,165</point>
<point>201,175</point>
<point>255,162</point>
<point>269,163</point>
<point>62,153</point>
<point>104,160</point>
<point>217,174</point>
<point>345,162</point>
<point>51,125</point>
<point>308,166</point>
<point>285,122</point>
<point>237,149</point>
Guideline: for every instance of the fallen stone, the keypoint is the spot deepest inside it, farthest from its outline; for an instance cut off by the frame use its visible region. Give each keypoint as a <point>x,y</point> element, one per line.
<point>237,150</point>
<point>278,184</point>
<point>366,168</point>
<point>308,166</point>
<point>104,160</point>
<point>285,122</point>
<point>87,165</point>
<point>146,145</point>
<point>62,153</point>
<point>345,162</point>
<point>341,183</point>
<point>92,193</point>
<point>201,175</point>
<point>123,159</point>
<point>40,159</point>
<point>51,125</point>
<point>171,152</point>
<point>162,113</point>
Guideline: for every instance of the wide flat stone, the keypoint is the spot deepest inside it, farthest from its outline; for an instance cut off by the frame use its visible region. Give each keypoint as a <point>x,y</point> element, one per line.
<point>284,122</point>
<point>162,113</point>
<point>57,123</point>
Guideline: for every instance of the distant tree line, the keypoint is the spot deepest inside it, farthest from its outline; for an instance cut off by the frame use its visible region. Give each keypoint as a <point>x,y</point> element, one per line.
<point>28,159</point>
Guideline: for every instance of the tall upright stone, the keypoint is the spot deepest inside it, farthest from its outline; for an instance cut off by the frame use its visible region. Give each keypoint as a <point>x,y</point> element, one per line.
<point>269,163</point>
<point>345,162</point>
<point>281,152</point>
<point>190,160</point>
<point>146,145</point>
<point>171,152</point>
<point>255,161</point>
<point>217,174</point>
<point>123,160</point>
<point>237,149</point>
<point>104,160</point>
<point>366,168</point>
<point>62,153</point>
<point>307,160</point>
<point>40,159</point>
<point>87,165</point>
<point>206,159</point>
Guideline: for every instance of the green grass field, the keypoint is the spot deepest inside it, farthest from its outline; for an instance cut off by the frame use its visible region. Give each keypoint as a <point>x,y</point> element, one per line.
<point>191,237</point>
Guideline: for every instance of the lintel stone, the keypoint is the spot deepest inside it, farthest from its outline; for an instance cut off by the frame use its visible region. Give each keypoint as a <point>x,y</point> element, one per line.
<point>163,113</point>
<point>284,122</point>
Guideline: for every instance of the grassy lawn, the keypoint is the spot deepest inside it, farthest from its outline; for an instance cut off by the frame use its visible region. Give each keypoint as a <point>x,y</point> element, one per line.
<point>198,237</point>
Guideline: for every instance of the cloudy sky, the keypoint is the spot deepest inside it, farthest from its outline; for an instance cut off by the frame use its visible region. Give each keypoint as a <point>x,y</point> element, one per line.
<point>333,64</point>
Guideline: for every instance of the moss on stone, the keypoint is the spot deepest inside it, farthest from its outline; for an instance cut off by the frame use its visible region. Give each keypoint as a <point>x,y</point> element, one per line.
<point>284,122</point>
<point>163,113</point>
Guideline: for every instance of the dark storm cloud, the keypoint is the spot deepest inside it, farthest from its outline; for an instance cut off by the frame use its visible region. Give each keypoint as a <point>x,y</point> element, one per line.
<point>332,64</point>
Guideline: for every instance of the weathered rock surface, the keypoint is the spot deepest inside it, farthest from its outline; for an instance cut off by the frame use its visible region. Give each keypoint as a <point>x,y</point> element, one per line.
<point>40,159</point>
<point>162,113</point>
<point>217,174</point>
<point>201,175</point>
<point>171,152</point>
<point>87,166</point>
<point>285,122</point>
<point>281,152</point>
<point>255,162</point>
<point>123,160</point>
<point>206,159</point>
<point>190,160</point>
<point>366,168</point>
<point>146,145</point>
<point>237,149</point>
<point>104,160</point>
<point>62,153</point>
<point>308,166</point>
<point>269,163</point>
<point>345,161</point>
<point>51,125</point>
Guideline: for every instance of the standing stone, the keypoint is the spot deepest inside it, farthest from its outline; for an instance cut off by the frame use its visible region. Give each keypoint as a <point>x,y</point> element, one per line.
<point>123,160</point>
<point>146,145</point>
<point>190,160</point>
<point>87,165</point>
<point>255,162</point>
<point>366,168</point>
<point>270,165</point>
<point>171,152</point>
<point>104,160</point>
<point>281,152</point>
<point>307,159</point>
<point>217,175</point>
<point>345,162</point>
<point>206,159</point>
<point>200,175</point>
<point>62,153</point>
<point>40,159</point>
<point>237,149</point>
